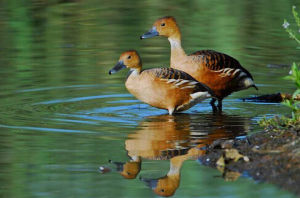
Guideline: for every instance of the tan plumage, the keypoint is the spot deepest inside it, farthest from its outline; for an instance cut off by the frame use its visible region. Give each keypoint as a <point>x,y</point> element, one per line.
<point>175,138</point>
<point>222,73</point>
<point>164,88</point>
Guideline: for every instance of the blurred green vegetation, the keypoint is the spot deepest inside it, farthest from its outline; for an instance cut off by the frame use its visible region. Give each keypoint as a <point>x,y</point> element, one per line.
<point>294,103</point>
<point>57,40</point>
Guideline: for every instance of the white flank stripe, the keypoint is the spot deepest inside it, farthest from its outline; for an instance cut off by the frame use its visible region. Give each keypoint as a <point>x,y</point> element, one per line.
<point>192,83</point>
<point>228,73</point>
<point>226,69</point>
<point>182,82</point>
<point>236,71</point>
<point>200,95</point>
<point>187,87</point>
<point>171,80</point>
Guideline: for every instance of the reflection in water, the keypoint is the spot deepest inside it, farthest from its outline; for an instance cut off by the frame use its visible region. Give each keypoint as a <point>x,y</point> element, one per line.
<point>177,138</point>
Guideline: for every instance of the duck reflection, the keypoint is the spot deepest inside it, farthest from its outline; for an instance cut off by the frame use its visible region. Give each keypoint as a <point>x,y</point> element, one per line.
<point>177,138</point>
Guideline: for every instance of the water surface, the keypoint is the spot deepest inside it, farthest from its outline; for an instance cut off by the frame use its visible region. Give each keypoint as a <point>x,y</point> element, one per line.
<point>62,115</point>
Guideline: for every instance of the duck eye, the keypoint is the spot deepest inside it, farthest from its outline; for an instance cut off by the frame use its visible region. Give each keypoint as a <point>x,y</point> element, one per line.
<point>129,57</point>
<point>163,24</point>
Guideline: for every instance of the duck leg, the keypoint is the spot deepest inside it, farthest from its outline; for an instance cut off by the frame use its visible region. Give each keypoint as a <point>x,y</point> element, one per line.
<point>220,105</point>
<point>212,103</point>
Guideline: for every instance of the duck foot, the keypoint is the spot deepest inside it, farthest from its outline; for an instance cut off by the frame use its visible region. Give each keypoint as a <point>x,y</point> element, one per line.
<point>216,109</point>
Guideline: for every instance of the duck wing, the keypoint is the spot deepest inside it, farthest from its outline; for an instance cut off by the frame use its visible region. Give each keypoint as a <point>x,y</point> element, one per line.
<point>220,62</point>
<point>181,79</point>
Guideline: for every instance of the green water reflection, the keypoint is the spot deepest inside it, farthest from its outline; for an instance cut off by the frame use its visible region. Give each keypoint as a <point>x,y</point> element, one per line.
<point>180,138</point>
<point>62,115</point>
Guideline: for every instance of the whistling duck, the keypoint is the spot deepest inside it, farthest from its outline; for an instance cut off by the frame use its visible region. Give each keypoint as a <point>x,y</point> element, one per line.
<point>158,138</point>
<point>178,138</point>
<point>221,72</point>
<point>164,88</point>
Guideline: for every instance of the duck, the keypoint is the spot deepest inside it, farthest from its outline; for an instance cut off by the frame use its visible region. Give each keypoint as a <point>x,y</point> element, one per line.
<point>175,138</point>
<point>220,72</point>
<point>164,88</point>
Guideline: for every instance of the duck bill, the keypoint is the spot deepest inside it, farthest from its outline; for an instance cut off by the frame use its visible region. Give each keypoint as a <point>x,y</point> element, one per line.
<point>119,66</point>
<point>152,33</point>
<point>119,165</point>
<point>152,183</point>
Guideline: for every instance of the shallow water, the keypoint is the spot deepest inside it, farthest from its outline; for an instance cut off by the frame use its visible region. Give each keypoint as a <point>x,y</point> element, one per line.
<point>63,116</point>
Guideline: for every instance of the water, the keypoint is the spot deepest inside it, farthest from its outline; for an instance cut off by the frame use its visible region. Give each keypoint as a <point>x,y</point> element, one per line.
<point>63,116</point>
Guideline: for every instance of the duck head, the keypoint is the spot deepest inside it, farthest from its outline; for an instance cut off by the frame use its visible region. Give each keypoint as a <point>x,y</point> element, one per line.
<point>165,186</point>
<point>130,169</point>
<point>129,59</point>
<point>165,26</point>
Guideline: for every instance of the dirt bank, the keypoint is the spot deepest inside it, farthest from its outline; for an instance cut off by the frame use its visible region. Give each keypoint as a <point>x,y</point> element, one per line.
<point>272,155</point>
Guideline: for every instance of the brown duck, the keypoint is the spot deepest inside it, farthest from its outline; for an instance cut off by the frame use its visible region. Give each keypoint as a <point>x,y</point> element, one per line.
<point>221,72</point>
<point>164,88</point>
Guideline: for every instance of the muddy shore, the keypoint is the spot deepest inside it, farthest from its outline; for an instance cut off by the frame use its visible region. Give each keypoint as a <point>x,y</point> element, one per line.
<point>272,156</point>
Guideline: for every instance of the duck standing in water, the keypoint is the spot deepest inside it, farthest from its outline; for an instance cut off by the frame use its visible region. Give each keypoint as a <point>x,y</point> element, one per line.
<point>221,72</point>
<point>164,88</point>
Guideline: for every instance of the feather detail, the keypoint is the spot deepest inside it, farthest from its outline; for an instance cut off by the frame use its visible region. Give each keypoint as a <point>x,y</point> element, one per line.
<point>219,62</point>
<point>181,80</point>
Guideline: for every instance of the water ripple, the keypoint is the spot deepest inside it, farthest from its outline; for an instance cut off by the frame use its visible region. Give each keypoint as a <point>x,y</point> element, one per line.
<point>82,99</point>
<point>46,129</point>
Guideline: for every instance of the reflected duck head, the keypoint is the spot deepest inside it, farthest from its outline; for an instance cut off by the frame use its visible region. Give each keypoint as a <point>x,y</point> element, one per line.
<point>129,59</point>
<point>119,165</point>
<point>131,170</point>
<point>165,26</point>
<point>164,186</point>
<point>128,170</point>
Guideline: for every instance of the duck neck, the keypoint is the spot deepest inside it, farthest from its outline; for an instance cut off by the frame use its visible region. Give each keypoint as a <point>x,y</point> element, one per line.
<point>135,158</point>
<point>135,71</point>
<point>177,52</point>
<point>176,164</point>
